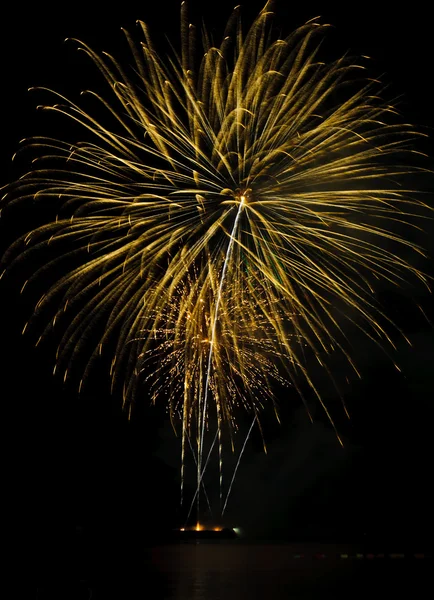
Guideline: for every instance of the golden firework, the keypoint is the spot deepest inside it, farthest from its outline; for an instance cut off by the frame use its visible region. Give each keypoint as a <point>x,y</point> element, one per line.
<point>227,215</point>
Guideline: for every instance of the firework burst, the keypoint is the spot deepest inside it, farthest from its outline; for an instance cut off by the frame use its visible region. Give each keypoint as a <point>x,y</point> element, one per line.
<point>224,218</point>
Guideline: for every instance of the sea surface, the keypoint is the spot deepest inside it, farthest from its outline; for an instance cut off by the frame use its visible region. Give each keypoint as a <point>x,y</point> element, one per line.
<point>282,571</point>
<point>233,570</point>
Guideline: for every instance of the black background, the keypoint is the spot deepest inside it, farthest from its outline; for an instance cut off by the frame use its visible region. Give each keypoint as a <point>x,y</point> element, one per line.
<point>70,459</point>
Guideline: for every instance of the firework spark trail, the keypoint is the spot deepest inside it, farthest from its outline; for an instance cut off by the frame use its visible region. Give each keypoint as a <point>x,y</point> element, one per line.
<point>204,489</point>
<point>144,245</point>
<point>200,477</point>
<point>238,464</point>
<point>210,356</point>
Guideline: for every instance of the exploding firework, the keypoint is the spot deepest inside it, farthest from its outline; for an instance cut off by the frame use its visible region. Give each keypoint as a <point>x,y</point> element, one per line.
<point>225,217</point>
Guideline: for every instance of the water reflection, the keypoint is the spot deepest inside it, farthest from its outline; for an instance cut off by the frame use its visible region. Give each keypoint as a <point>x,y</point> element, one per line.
<point>273,572</point>
<point>236,571</point>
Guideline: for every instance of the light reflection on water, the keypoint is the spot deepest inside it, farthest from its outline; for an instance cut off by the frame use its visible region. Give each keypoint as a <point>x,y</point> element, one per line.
<point>271,572</point>
<point>240,571</point>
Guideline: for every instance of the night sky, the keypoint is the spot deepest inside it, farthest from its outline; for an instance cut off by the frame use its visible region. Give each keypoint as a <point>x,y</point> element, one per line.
<point>78,460</point>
